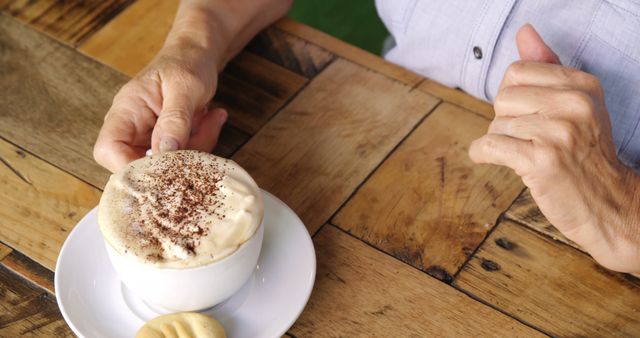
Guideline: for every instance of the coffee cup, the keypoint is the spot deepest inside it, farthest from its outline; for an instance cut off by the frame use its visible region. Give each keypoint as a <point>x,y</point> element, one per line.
<point>183,230</point>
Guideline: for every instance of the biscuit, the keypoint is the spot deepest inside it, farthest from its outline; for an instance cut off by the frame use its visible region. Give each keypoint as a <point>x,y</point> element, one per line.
<point>182,325</point>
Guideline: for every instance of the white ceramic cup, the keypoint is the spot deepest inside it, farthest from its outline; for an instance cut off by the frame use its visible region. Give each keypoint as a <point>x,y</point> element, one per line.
<point>189,289</point>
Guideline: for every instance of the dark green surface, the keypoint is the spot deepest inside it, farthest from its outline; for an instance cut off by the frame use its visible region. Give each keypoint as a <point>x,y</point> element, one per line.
<point>354,21</point>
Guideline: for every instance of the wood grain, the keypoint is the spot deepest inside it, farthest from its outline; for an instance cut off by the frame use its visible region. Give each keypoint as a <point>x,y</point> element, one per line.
<point>457,97</point>
<point>41,204</point>
<point>27,310</point>
<point>253,89</point>
<point>133,38</point>
<point>291,52</point>
<point>315,152</point>
<point>230,140</point>
<point>428,204</point>
<point>129,41</point>
<point>4,251</point>
<point>552,286</point>
<point>364,58</point>
<point>525,211</point>
<point>360,292</point>
<point>67,21</point>
<point>29,270</point>
<point>349,52</point>
<point>55,99</point>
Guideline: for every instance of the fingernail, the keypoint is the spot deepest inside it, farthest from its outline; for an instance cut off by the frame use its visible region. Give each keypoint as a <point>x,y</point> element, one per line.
<point>223,116</point>
<point>168,143</point>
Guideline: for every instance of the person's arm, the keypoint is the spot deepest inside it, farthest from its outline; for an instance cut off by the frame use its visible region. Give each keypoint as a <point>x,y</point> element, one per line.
<point>552,127</point>
<point>164,107</point>
<point>222,27</point>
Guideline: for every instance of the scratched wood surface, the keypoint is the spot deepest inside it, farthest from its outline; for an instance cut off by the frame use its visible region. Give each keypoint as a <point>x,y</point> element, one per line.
<point>349,52</point>
<point>40,204</point>
<point>25,267</point>
<point>4,251</point>
<point>325,142</point>
<point>68,21</point>
<point>552,286</point>
<point>57,99</point>
<point>428,204</point>
<point>129,41</point>
<point>361,292</point>
<point>457,97</point>
<point>28,310</point>
<point>290,51</point>
<point>251,88</point>
<point>525,211</point>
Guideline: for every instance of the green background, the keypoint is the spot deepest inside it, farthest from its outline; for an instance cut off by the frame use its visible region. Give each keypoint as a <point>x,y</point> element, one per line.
<point>354,21</point>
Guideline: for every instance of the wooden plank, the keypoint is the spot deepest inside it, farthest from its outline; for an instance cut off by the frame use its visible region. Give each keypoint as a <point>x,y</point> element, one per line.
<point>230,140</point>
<point>133,38</point>
<point>457,97</point>
<point>525,211</point>
<point>27,310</point>
<point>552,286</point>
<point>41,204</point>
<point>364,58</point>
<point>362,292</point>
<point>253,89</point>
<point>291,52</point>
<point>70,22</point>
<point>349,52</point>
<point>29,270</point>
<point>4,251</point>
<point>129,41</point>
<point>325,142</point>
<point>55,100</point>
<point>428,204</point>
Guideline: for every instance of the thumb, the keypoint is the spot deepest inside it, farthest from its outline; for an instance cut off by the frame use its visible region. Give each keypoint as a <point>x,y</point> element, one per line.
<point>173,126</point>
<point>531,47</point>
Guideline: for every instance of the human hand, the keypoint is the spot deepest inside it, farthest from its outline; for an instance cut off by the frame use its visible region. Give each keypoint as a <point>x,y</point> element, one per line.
<point>164,108</point>
<point>553,129</point>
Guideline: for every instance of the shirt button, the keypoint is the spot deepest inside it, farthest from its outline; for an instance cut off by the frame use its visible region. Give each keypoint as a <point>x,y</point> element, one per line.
<point>477,52</point>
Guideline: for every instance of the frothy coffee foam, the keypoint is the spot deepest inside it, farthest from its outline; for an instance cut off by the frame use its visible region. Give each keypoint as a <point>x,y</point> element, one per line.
<point>179,209</point>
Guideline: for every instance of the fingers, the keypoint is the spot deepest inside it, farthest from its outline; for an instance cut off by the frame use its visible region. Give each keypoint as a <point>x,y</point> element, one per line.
<point>503,150</point>
<point>523,73</point>
<point>548,102</point>
<point>197,119</point>
<point>208,130</point>
<point>532,47</point>
<point>115,146</point>
<point>173,128</point>
<point>538,129</point>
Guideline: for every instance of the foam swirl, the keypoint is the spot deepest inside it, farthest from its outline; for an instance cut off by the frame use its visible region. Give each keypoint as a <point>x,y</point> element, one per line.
<point>179,209</point>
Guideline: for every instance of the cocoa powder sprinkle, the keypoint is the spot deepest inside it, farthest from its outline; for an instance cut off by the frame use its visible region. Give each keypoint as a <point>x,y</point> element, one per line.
<point>181,190</point>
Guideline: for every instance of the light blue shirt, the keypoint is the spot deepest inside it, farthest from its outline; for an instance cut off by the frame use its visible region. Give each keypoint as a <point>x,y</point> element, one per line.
<point>437,38</point>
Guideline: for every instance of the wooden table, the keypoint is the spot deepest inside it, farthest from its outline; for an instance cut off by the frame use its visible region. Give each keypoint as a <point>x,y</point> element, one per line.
<point>411,238</point>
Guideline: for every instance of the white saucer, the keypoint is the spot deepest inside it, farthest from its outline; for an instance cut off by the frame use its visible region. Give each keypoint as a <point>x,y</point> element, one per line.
<point>94,302</point>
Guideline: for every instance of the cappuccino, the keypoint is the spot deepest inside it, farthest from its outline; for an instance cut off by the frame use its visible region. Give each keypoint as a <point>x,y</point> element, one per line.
<point>179,209</point>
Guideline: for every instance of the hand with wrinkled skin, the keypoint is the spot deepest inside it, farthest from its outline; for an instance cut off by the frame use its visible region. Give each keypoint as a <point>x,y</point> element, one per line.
<point>164,107</point>
<point>552,128</point>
